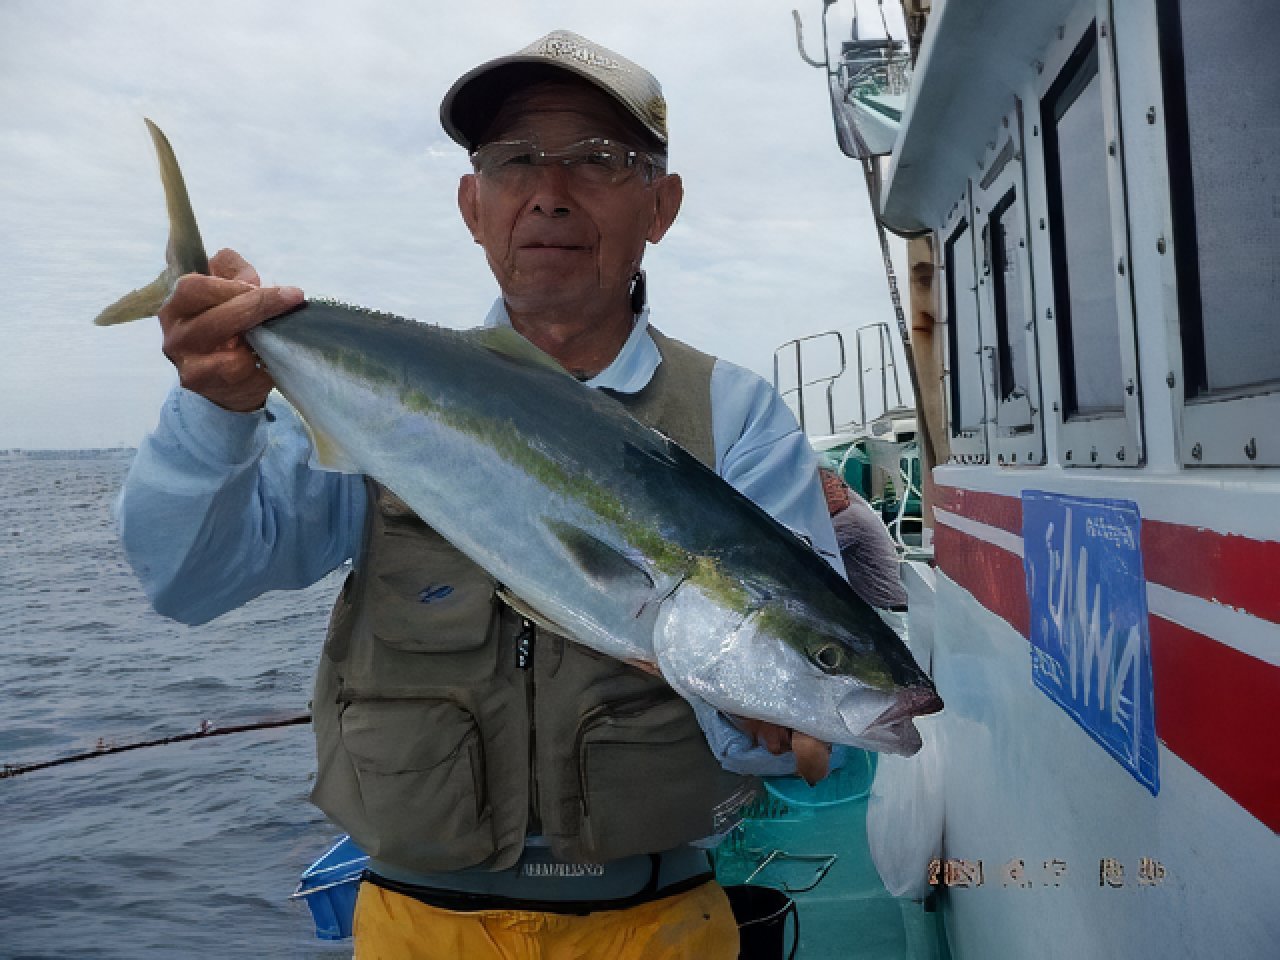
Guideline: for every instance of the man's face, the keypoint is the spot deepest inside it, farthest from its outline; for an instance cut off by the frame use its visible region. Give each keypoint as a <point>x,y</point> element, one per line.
<point>555,242</point>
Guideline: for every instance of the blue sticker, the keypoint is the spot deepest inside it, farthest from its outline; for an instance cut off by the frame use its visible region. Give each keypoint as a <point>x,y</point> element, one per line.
<point>1090,646</point>
<point>434,592</point>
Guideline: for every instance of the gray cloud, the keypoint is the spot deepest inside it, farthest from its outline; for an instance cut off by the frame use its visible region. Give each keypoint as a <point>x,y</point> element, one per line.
<point>309,138</point>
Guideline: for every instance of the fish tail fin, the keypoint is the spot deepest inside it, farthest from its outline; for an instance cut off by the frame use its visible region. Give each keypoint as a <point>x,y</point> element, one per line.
<point>184,254</point>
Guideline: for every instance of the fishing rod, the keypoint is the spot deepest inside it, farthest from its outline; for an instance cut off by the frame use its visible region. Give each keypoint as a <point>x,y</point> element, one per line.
<point>206,729</point>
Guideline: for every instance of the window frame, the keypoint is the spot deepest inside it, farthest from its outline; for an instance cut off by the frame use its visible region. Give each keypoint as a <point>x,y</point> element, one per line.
<point>1004,184</point>
<point>1217,428</point>
<point>1109,438</point>
<point>967,445</point>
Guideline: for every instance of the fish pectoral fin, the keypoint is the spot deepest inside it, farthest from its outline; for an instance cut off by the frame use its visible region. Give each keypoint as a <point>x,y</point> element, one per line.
<point>505,342</point>
<point>136,304</point>
<point>602,562</point>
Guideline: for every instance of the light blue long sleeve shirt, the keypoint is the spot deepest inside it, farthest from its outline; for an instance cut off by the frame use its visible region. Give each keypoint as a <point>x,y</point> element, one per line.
<point>220,507</point>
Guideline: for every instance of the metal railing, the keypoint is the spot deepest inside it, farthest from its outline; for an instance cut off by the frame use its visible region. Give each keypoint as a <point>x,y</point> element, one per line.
<point>791,355</point>
<point>801,384</point>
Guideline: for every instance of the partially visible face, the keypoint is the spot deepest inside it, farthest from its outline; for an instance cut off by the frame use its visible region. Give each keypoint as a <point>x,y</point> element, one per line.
<point>557,244</point>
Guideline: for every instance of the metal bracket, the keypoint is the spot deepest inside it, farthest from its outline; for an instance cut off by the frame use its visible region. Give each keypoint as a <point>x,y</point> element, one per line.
<point>825,862</point>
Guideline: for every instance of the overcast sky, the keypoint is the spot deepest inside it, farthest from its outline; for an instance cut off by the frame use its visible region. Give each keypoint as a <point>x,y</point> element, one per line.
<point>309,137</point>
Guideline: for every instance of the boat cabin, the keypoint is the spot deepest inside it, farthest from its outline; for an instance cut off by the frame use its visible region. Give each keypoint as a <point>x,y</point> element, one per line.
<point>1098,183</point>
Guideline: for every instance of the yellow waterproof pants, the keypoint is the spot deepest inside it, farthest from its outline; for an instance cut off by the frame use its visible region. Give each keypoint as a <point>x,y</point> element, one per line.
<point>695,925</point>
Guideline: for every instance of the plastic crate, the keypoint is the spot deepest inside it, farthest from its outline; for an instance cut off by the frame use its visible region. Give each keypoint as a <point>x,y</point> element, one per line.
<point>329,888</point>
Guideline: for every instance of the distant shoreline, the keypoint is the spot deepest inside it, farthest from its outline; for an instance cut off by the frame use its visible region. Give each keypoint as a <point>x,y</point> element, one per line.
<point>83,453</point>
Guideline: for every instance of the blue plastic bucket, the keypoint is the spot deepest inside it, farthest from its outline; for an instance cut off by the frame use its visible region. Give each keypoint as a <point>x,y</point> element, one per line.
<point>851,782</point>
<point>329,887</point>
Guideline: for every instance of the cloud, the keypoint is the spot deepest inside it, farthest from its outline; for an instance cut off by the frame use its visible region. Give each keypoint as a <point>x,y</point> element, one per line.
<point>309,138</point>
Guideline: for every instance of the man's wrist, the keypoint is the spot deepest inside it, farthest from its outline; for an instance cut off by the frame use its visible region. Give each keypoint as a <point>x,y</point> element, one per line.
<point>214,435</point>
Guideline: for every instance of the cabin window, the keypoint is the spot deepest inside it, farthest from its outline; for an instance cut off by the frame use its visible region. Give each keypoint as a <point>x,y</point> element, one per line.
<point>1013,379</point>
<point>1083,269</point>
<point>1223,137</point>
<point>1227,189</point>
<point>1085,260</point>
<point>967,407</point>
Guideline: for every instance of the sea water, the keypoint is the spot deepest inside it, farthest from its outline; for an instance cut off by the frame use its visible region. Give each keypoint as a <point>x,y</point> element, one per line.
<point>191,850</point>
<point>183,850</point>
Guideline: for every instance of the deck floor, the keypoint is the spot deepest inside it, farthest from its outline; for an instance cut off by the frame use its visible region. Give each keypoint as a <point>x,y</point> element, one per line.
<point>847,914</point>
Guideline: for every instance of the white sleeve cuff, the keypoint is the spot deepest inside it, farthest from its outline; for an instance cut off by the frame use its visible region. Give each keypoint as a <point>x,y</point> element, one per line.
<point>736,752</point>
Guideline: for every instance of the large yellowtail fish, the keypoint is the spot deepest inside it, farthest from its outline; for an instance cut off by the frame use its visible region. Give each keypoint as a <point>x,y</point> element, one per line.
<point>607,528</point>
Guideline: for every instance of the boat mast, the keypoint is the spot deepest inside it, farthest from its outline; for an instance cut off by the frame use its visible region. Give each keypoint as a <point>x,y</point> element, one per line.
<point>869,63</point>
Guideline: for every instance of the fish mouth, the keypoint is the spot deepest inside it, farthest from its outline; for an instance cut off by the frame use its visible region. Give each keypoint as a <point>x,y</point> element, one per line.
<point>911,702</point>
<point>892,731</point>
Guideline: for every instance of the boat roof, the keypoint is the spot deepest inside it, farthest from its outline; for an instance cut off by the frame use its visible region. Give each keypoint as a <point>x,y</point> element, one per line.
<point>974,56</point>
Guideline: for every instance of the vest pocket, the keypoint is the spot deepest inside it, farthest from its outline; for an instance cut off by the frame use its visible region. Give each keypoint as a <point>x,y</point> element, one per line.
<point>419,768</point>
<point>647,778</point>
<point>426,597</point>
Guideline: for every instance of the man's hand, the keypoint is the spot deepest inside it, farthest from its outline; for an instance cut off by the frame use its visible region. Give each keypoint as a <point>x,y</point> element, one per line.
<point>204,324</point>
<point>813,756</point>
<point>835,490</point>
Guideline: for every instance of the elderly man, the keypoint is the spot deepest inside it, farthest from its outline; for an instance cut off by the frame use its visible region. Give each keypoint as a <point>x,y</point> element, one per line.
<point>530,797</point>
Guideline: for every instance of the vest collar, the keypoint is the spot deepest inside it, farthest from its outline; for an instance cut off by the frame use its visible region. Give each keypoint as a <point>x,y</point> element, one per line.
<point>630,371</point>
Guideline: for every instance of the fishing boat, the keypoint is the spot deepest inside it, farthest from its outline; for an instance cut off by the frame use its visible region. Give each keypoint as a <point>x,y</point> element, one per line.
<point>1091,194</point>
<point>1092,205</point>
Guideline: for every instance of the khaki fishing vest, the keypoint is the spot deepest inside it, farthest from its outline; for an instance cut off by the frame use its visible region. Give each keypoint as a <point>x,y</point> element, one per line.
<point>448,726</point>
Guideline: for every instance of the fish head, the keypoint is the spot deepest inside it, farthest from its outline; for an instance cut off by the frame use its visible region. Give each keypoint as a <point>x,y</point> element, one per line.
<point>788,663</point>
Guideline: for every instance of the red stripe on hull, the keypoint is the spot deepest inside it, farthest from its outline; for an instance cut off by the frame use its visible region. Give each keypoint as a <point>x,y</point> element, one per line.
<point>993,509</point>
<point>1221,567</point>
<point>993,575</point>
<point>1224,567</point>
<point>1216,709</point>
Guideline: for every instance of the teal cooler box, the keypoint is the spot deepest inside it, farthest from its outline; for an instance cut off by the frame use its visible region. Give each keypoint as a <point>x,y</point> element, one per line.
<point>329,888</point>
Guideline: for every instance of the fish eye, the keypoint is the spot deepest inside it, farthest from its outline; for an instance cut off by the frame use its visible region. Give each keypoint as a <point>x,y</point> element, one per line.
<point>827,657</point>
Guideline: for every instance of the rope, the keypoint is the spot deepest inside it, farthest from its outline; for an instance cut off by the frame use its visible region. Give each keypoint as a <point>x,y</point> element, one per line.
<point>884,22</point>
<point>207,729</point>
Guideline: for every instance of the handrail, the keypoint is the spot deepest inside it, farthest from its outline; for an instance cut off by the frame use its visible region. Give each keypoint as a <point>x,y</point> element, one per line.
<point>886,365</point>
<point>801,383</point>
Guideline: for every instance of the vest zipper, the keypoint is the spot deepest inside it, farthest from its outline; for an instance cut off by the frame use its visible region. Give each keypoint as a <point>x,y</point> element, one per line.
<point>524,661</point>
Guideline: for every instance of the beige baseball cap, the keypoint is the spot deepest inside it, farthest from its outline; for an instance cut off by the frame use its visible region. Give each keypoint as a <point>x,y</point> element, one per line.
<point>475,98</point>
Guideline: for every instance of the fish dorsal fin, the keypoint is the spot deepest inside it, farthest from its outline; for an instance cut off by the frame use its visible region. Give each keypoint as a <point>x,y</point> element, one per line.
<point>602,562</point>
<point>505,342</point>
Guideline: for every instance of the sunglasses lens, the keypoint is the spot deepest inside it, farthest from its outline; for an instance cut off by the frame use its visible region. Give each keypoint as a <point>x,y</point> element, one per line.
<point>592,162</point>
